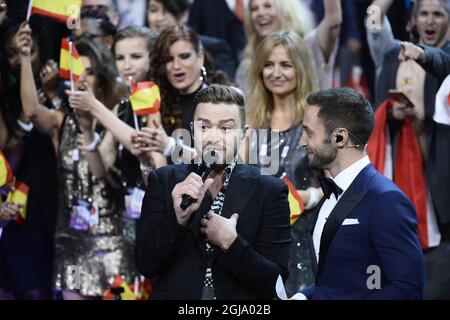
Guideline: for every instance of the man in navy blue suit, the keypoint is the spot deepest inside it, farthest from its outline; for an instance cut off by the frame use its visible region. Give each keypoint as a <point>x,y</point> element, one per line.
<point>365,236</point>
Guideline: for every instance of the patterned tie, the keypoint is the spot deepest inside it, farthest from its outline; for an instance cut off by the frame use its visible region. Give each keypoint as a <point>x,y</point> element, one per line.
<point>239,11</point>
<point>208,292</point>
<point>329,187</point>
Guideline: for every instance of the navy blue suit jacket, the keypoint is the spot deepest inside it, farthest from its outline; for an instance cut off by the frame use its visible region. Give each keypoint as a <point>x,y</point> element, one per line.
<point>386,237</point>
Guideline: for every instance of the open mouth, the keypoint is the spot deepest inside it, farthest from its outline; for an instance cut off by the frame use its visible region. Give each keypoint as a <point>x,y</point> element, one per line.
<point>179,77</point>
<point>430,34</point>
<point>264,23</point>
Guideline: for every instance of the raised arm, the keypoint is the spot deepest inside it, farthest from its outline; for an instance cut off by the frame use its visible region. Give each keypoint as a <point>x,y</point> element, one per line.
<point>47,121</point>
<point>329,28</point>
<point>86,101</point>
<point>379,32</point>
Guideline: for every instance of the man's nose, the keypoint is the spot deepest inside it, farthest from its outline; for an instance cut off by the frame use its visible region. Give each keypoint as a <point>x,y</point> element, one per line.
<point>302,142</point>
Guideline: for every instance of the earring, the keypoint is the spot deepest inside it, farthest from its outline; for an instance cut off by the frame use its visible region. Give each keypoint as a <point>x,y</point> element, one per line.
<point>203,73</point>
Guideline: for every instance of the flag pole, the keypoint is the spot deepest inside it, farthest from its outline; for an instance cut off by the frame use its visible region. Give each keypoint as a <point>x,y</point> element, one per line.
<point>71,65</point>
<point>136,287</point>
<point>135,119</point>
<point>30,5</point>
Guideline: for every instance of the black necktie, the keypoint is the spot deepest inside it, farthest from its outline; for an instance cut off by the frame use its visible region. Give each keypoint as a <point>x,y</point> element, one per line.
<point>329,187</point>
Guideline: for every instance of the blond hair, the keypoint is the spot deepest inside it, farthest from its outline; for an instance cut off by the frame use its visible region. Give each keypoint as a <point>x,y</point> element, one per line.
<point>260,102</point>
<point>294,15</point>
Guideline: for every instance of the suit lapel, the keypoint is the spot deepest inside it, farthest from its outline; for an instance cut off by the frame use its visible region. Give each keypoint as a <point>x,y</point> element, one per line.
<point>348,202</point>
<point>312,253</point>
<point>240,190</point>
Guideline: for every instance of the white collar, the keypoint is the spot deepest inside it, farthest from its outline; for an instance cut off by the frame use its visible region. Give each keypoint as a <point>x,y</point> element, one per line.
<point>345,178</point>
<point>232,4</point>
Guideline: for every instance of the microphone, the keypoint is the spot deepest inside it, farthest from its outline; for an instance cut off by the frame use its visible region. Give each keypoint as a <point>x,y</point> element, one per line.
<point>205,169</point>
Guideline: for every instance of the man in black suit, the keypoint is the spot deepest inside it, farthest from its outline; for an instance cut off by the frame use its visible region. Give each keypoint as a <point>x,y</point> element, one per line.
<point>232,242</point>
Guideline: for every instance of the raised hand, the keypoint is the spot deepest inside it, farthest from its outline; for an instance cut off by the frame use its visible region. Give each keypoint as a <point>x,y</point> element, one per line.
<point>3,10</point>
<point>410,51</point>
<point>23,40</point>
<point>50,78</point>
<point>82,100</point>
<point>9,211</point>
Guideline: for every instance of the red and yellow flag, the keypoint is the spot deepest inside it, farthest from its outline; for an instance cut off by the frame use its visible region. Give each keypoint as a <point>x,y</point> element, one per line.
<point>64,62</point>
<point>146,289</point>
<point>19,195</point>
<point>296,205</point>
<point>6,175</point>
<point>145,98</point>
<point>119,282</point>
<point>60,10</point>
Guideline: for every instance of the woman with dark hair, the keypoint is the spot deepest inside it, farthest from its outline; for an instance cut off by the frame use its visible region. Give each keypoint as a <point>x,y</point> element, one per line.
<point>26,249</point>
<point>179,66</point>
<point>91,233</point>
<point>164,14</point>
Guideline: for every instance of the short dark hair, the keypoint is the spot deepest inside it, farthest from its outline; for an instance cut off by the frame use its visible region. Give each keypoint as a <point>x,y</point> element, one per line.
<point>175,7</point>
<point>344,108</point>
<point>417,4</point>
<point>217,94</point>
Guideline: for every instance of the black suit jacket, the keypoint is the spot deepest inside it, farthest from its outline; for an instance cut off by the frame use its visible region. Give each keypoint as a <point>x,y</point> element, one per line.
<point>173,256</point>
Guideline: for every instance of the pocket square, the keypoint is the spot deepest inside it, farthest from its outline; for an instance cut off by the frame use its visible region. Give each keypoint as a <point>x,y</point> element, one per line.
<point>349,222</point>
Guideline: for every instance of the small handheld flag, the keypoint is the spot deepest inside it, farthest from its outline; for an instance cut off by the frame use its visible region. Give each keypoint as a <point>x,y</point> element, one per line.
<point>296,205</point>
<point>19,195</point>
<point>119,283</point>
<point>70,65</point>
<point>6,175</point>
<point>145,98</point>
<point>60,10</point>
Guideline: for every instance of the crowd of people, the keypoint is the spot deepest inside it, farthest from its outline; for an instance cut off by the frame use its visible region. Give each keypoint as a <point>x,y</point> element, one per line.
<point>255,84</point>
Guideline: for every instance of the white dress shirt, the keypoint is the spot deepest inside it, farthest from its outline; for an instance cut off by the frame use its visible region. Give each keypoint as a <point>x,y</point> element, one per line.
<point>344,179</point>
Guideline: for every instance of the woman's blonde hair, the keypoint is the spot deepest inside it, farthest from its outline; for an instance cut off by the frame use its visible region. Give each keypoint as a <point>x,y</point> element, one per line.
<point>294,15</point>
<point>260,103</point>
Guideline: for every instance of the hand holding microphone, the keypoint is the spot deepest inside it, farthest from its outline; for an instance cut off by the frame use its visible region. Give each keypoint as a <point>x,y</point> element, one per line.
<point>194,187</point>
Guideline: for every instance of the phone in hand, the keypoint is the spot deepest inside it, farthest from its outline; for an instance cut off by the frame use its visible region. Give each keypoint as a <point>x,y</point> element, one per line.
<point>400,97</point>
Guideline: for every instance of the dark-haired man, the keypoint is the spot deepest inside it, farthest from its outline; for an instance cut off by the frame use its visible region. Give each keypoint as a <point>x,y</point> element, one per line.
<point>365,236</point>
<point>232,242</point>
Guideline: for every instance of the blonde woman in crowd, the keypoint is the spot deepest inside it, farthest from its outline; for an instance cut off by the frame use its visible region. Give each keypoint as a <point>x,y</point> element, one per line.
<point>264,17</point>
<point>282,76</point>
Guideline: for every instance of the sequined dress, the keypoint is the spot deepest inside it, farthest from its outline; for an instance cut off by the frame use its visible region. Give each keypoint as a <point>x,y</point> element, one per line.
<point>88,261</point>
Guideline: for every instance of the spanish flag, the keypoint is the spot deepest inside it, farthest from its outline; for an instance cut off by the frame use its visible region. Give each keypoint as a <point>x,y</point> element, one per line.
<point>119,282</point>
<point>145,98</point>
<point>5,171</point>
<point>296,205</point>
<point>146,289</point>
<point>19,195</point>
<point>60,10</point>
<point>64,62</point>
